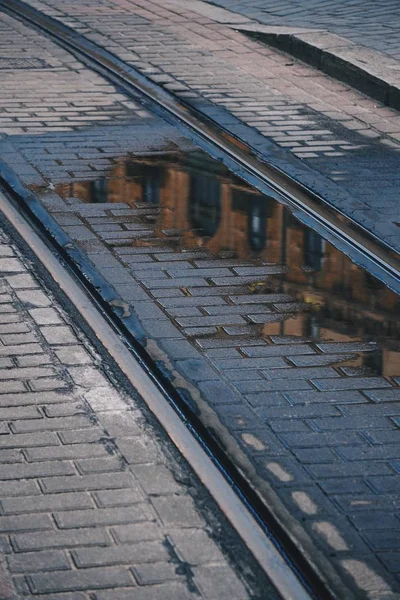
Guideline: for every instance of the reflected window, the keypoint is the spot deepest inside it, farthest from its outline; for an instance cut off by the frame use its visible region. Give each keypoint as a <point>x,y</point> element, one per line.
<point>99,191</point>
<point>311,326</point>
<point>256,208</point>
<point>257,228</point>
<point>374,361</point>
<point>205,204</point>
<point>314,247</point>
<point>150,178</point>
<point>150,190</point>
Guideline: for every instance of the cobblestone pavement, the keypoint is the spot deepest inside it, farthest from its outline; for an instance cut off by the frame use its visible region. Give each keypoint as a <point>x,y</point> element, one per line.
<point>42,86</point>
<point>95,502</point>
<point>373,24</point>
<point>333,139</point>
<point>306,404</point>
<point>301,407</point>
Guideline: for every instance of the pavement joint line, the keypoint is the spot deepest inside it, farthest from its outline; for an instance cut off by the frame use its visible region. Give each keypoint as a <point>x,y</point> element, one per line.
<point>237,513</point>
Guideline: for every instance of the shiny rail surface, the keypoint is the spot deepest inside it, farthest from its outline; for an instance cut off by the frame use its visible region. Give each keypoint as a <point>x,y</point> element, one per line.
<point>350,238</point>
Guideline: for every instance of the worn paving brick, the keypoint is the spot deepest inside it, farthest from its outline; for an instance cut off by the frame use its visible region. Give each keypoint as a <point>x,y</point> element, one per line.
<point>46,503</point>
<point>176,590</point>
<point>81,580</point>
<point>87,482</point>
<point>29,563</point>
<point>278,350</point>
<point>137,553</point>
<point>12,524</point>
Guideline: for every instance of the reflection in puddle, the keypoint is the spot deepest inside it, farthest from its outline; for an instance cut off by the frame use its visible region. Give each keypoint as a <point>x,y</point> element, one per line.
<point>190,202</point>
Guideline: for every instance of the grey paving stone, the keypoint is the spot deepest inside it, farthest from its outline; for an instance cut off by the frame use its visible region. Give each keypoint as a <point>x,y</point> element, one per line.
<point>46,503</point>
<point>278,350</point>
<point>197,369</point>
<point>160,572</point>
<point>347,347</point>
<point>311,397</point>
<point>58,335</point>
<point>15,523</point>
<point>19,488</point>
<point>45,316</point>
<point>61,539</point>
<point>99,465</point>
<point>250,363</point>
<point>81,580</point>
<point>267,399</point>
<point>319,360</point>
<point>353,383</point>
<point>194,546</point>
<point>22,426</point>
<point>355,469</point>
<point>172,589</point>
<point>121,423</point>
<point>216,581</point>
<point>27,471</point>
<point>177,510</point>
<point>384,395</point>
<point>104,516</point>
<point>138,450</point>
<point>156,479</point>
<point>130,291</point>
<point>137,532</point>
<point>160,329</point>
<point>153,283</point>
<point>87,482</point>
<point>54,560</point>
<point>217,392</point>
<point>179,349</point>
<point>277,385</point>
<point>10,265</point>
<point>141,552</point>
<point>300,373</point>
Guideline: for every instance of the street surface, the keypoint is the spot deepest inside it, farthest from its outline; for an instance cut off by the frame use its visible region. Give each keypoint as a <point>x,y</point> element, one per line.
<point>94,498</point>
<point>287,351</point>
<point>348,144</point>
<point>373,24</point>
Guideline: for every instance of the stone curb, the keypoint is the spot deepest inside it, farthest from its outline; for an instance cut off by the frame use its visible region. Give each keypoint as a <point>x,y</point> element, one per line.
<point>373,73</point>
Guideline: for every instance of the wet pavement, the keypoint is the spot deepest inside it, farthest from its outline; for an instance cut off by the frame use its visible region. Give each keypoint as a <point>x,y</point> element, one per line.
<point>374,25</point>
<point>287,351</point>
<point>95,500</point>
<point>294,349</point>
<point>337,142</point>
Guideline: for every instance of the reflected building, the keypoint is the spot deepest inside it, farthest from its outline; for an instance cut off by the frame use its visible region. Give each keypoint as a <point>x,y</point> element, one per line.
<point>208,207</point>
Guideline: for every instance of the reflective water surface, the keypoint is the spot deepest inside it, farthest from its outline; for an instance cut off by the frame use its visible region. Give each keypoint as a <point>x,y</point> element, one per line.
<point>189,202</point>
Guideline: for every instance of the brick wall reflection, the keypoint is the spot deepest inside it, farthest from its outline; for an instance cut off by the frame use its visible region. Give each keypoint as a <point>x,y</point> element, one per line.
<point>211,209</point>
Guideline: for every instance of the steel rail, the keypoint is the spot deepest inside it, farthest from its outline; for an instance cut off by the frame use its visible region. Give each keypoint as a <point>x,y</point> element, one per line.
<point>350,239</point>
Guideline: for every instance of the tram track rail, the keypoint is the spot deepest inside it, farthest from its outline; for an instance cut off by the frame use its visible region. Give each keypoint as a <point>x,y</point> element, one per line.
<point>291,573</point>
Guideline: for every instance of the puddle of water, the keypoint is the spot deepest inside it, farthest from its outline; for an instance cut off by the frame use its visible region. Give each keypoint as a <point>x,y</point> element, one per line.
<point>189,202</point>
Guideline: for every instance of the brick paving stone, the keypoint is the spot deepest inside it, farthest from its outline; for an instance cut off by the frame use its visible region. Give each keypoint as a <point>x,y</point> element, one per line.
<point>78,516</point>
